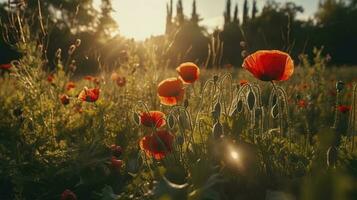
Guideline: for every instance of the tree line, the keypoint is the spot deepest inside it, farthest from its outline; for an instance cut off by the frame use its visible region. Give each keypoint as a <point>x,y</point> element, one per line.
<point>276,26</point>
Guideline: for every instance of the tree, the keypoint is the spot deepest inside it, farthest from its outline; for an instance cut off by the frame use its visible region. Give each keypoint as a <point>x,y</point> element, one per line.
<point>194,16</point>
<point>245,12</point>
<point>254,9</point>
<point>227,13</point>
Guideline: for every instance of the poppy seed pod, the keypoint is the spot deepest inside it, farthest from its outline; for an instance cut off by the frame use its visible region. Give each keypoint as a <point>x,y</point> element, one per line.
<point>339,86</point>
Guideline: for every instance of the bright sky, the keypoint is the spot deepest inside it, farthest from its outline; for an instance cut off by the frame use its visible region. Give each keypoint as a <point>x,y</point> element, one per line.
<point>140,19</point>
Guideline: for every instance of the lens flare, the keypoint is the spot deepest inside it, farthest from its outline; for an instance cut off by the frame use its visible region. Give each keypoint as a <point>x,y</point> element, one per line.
<point>234,155</point>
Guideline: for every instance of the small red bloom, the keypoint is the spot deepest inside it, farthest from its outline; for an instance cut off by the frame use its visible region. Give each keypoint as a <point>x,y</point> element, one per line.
<point>153,119</point>
<point>68,195</point>
<point>343,108</point>
<point>243,82</point>
<point>269,65</point>
<point>121,81</point>
<point>116,150</point>
<point>157,145</point>
<point>189,72</point>
<point>89,78</point>
<point>171,91</point>
<point>70,85</point>
<point>92,79</point>
<point>5,66</point>
<point>89,95</point>
<point>64,99</point>
<point>302,103</point>
<point>116,163</point>
<point>50,78</point>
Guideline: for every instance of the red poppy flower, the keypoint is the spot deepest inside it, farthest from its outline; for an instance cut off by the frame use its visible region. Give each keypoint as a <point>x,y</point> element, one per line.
<point>152,119</point>
<point>64,99</point>
<point>170,91</point>
<point>89,95</point>
<point>50,78</point>
<point>157,145</point>
<point>92,79</point>
<point>116,163</point>
<point>68,195</point>
<point>121,81</point>
<point>189,72</point>
<point>89,78</point>
<point>70,85</point>
<point>343,108</point>
<point>302,103</point>
<point>5,66</point>
<point>243,82</point>
<point>269,65</point>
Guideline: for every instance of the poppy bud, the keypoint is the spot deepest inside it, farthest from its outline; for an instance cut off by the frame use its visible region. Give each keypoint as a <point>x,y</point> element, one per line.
<point>78,43</point>
<point>244,53</point>
<point>339,86</point>
<point>274,111</point>
<point>217,130</point>
<point>215,79</point>
<point>251,100</point>
<point>71,49</point>
<point>170,121</point>
<point>243,44</point>
<point>136,118</point>
<point>217,108</point>
<point>185,103</point>
<point>58,53</point>
<point>332,156</point>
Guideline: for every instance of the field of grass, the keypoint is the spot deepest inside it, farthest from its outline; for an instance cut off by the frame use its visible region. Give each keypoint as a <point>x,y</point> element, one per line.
<point>232,136</point>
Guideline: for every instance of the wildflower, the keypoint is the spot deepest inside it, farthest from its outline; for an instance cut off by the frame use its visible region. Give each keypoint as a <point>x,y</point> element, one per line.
<point>116,150</point>
<point>92,79</point>
<point>189,72</point>
<point>70,85</point>
<point>50,78</point>
<point>243,82</point>
<point>152,119</point>
<point>269,65</point>
<point>5,66</point>
<point>64,99</point>
<point>89,95</point>
<point>116,163</point>
<point>302,103</point>
<point>343,108</point>
<point>68,195</point>
<point>171,91</point>
<point>119,80</point>
<point>157,145</point>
